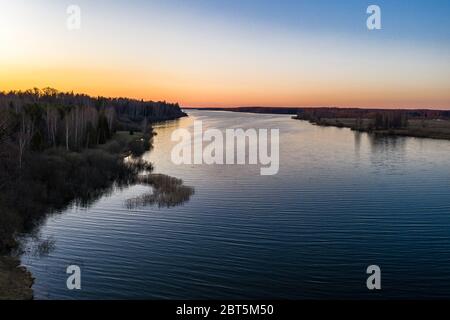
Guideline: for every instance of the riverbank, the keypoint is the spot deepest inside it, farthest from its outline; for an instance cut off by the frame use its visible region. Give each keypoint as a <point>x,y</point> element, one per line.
<point>433,128</point>
<point>62,177</point>
<point>166,191</point>
<point>15,281</point>
<point>59,148</point>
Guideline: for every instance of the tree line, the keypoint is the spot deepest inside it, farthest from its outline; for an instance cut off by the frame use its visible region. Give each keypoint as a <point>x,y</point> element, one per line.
<point>35,119</point>
<point>377,119</point>
<point>56,147</point>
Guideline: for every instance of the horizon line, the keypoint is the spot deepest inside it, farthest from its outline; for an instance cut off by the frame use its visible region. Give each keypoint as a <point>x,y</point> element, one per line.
<point>224,107</point>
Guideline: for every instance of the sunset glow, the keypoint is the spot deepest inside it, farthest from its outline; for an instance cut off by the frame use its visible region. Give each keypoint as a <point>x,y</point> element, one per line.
<point>211,53</point>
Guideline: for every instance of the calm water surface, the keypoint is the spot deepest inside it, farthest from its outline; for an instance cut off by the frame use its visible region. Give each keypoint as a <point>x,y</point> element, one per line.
<point>342,201</point>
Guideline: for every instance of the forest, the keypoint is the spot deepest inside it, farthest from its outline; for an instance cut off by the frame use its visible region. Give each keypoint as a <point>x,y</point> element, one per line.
<point>58,147</point>
<point>364,120</point>
<point>434,124</point>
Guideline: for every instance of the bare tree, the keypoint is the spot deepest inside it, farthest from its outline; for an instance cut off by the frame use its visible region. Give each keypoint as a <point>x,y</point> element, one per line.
<point>24,136</point>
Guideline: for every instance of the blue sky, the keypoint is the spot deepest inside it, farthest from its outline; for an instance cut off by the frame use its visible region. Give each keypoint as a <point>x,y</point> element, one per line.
<point>412,19</point>
<point>233,52</point>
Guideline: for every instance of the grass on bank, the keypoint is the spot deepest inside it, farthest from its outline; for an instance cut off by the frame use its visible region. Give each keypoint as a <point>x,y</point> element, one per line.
<point>435,129</point>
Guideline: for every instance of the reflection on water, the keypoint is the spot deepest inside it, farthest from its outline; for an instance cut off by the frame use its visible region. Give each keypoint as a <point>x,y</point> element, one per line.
<point>342,201</point>
<point>38,247</point>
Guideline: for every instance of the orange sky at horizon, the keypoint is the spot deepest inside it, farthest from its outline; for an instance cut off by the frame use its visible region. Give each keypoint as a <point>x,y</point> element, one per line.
<point>80,81</point>
<point>211,63</point>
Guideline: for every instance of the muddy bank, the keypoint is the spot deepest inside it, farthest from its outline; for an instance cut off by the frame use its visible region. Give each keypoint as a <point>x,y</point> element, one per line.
<point>15,281</point>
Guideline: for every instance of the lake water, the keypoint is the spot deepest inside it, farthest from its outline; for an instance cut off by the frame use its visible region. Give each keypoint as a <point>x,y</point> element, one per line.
<point>341,201</point>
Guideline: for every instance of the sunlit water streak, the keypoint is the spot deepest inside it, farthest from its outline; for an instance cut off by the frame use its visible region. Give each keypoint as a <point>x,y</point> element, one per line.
<point>341,202</point>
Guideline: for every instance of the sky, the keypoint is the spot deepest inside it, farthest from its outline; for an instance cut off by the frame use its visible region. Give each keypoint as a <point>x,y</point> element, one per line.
<point>210,53</point>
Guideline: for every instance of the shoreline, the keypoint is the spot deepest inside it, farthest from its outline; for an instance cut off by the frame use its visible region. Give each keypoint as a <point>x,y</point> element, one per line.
<point>418,123</point>
<point>428,129</point>
<point>57,148</point>
<point>15,280</point>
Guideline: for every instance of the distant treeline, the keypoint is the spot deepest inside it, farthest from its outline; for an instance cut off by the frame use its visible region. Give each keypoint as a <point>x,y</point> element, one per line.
<point>264,110</point>
<point>378,119</point>
<point>407,122</point>
<point>433,124</point>
<point>350,113</point>
<point>57,147</point>
<point>354,113</point>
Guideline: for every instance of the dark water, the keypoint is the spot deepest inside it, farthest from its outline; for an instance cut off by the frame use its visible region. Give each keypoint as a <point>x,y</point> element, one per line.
<point>342,201</point>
